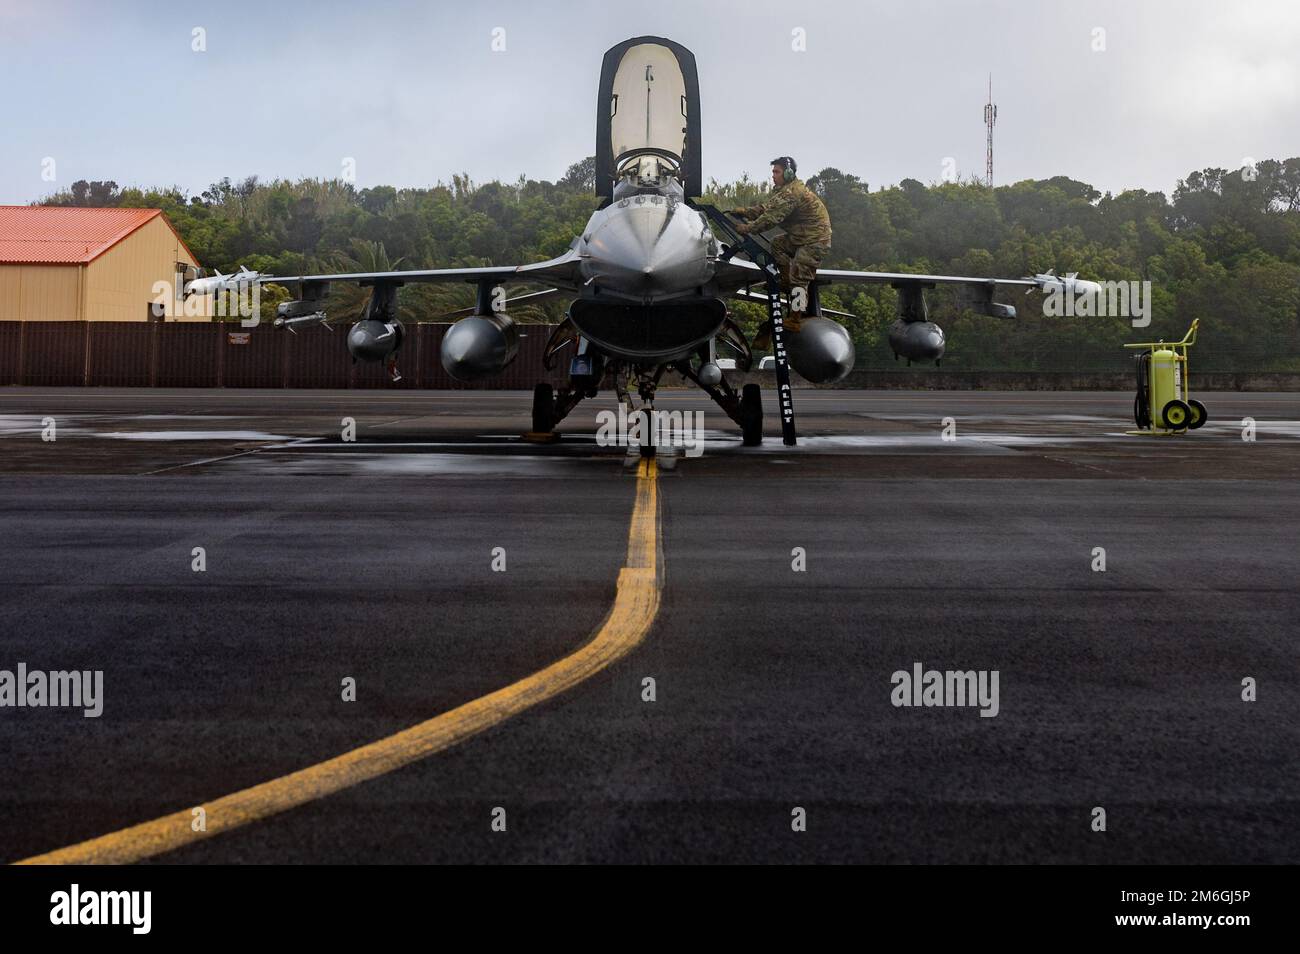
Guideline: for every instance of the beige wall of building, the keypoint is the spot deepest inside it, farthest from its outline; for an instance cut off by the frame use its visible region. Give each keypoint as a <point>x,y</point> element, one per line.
<point>116,286</point>
<point>40,292</point>
<point>119,284</point>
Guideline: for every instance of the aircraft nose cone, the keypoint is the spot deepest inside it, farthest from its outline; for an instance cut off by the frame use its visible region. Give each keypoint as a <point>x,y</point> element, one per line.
<point>647,248</point>
<point>628,240</point>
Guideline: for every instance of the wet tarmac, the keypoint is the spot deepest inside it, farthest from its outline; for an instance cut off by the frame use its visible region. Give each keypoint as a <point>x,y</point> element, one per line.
<point>957,530</point>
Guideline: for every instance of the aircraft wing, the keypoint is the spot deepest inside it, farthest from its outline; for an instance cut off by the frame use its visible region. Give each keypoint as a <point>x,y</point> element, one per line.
<point>743,273</point>
<point>560,272</point>
<point>833,275</point>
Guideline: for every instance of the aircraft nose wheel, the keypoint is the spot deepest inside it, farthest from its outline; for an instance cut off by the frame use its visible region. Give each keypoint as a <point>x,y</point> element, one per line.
<point>751,415</point>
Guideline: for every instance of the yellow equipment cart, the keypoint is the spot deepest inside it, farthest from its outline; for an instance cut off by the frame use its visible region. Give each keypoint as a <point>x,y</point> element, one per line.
<point>1163,404</point>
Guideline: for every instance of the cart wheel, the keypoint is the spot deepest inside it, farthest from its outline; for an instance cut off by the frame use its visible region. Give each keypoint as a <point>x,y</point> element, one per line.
<point>751,415</point>
<point>1199,415</point>
<point>1176,415</point>
<point>543,408</point>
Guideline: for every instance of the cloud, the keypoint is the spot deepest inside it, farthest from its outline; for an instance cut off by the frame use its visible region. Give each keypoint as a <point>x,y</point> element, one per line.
<point>414,93</point>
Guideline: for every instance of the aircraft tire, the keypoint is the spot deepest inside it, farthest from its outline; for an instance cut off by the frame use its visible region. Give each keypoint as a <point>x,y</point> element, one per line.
<point>751,415</point>
<point>543,408</point>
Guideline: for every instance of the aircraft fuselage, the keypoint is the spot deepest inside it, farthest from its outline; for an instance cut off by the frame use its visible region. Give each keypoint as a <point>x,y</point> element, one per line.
<point>647,261</point>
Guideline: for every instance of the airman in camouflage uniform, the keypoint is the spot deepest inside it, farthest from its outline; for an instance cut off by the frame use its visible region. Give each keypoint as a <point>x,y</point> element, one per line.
<point>798,253</point>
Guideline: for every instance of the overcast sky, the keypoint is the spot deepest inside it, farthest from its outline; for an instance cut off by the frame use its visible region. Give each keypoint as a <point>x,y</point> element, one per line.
<point>413,91</point>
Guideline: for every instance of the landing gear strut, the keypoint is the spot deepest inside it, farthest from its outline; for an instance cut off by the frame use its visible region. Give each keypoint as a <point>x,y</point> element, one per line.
<point>550,408</point>
<point>585,374</point>
<point>746,409</point>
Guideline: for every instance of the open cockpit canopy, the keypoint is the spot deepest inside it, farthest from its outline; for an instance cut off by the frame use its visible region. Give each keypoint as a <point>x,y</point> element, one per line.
<point>648,118</point>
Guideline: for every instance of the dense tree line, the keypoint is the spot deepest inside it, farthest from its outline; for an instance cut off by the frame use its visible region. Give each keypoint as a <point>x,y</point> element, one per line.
<point>1224,248</point>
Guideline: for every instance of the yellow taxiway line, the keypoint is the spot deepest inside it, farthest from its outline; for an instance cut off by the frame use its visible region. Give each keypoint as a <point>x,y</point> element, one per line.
<point>628,622</point>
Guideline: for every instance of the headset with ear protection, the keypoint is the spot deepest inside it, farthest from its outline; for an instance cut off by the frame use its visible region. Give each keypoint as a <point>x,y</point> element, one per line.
<point>788,168</point>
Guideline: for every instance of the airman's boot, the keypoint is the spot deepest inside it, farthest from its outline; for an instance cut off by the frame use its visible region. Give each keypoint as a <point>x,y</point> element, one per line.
<point>763,339</point>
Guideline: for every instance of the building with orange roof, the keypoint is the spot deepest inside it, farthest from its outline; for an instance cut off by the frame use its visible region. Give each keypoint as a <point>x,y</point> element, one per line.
<point>77,264</point>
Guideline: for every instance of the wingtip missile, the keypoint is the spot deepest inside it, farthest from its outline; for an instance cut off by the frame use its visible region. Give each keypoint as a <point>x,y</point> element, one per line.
<point>219,282</point>
<point>1068,283</point>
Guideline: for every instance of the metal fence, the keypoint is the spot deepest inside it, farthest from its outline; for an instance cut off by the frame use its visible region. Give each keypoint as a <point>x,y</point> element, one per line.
<point>1204,358</point>
<point>216,354</point>
<point>221,354</point>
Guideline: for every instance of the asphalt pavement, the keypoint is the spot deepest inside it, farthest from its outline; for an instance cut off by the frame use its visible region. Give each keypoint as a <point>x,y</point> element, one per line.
<point>437,559</point>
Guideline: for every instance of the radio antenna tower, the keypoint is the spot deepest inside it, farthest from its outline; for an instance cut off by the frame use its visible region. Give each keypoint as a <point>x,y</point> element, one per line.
<point>990,117</point>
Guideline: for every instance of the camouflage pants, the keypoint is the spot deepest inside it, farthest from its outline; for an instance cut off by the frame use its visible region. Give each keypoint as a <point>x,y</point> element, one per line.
<point>797,263</point>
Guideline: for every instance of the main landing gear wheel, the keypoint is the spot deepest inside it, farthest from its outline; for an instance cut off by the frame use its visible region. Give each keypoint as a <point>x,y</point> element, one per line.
<point>1176,415</point>
<point>751,415</point>
<point>543,408</point>
<point>1199,415</point>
